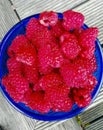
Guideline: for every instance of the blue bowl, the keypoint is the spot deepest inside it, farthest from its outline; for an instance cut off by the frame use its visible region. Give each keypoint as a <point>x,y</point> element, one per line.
<point>51,116</point>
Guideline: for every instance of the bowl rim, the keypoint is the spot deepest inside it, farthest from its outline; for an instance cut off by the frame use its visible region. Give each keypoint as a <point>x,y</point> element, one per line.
<point>36,115</point>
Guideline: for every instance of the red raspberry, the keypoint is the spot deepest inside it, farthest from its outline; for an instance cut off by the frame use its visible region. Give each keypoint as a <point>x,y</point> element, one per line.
<point>49,80</point>
<point>92,82</point>
<point>38,102</point>
<point>82,97</point>
<point>55,58</point>
<point>93,64</point>
<point>19,82</point>
<point>32,26</point>
<point>58,29</point>
<point>70,46</point>
<point>64,105</point>
<point>31,74</point>
<point>73,75</point>
<point>77,32</point>
<point>88,65</point>
<point>88,53</point>
<point>58,96</point>
<point>48,18</point>
<point>72,20</point>
<point>42,37</point>
<point>27,96</point>
<point>16,44</point>
<point>26,54</point>
<point>65,36</point>
<point>16,86</point>
<point>14,66</point>
<point>37,33</point>
<point>50,55</point>
<point>87,37</point>
<point>44,67</point>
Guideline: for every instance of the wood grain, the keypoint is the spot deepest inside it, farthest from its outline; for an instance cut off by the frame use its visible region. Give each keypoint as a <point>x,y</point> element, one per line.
<point>26,8</point>
<point>7,17</point>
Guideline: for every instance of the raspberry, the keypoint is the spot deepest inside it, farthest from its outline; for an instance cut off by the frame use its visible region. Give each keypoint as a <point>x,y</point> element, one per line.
<point>44,67</point>
<point>65,36</point>
<point>32,26</point>
<point>55,58</point>
<point>88,53</point>
<point>77,32</point>
<point>72,20</point>
<point>48,18</point>
<point>92,82</point>
<point>27,96</point>
<point>42,37</point>
<point>15,86</point>
<point>37,33</point>
<point>70,47</point>
<point>16,44</point>
<point>93,64</point>
<point>82,97</point>
<point>87,37</point>
<point>58,96</point>
<point>49,80</point>
<point>57,30</point>
<point>19,82</point>
<point>26,54</point>
<point>31,74</point>
<point>38,102</point>
<point>14,66</point>
<point>73,75</point>
<point>50,55</point>
<point>89,66</point>
<point>64,105</point>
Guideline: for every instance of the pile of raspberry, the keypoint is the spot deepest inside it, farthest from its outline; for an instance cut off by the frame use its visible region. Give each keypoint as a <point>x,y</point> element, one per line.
<point>52,65</point>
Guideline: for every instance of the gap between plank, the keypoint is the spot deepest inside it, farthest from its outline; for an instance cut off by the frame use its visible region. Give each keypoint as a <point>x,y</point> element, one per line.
<point>13,7</point>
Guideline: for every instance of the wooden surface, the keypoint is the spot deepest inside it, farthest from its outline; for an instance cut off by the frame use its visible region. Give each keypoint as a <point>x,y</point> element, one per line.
<point>10,13</point>
<point>37,6</point>
<point>7,17</point>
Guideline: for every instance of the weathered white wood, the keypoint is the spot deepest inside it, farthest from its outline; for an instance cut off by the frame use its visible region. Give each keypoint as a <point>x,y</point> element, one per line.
<point>67,125</point>
<point>7,17</point>
<point>92,114</point>
<point>26,8</point>
<point>97,125</point>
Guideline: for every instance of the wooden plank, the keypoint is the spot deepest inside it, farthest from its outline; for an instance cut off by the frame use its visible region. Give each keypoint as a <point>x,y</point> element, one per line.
<point>67,125</point>
<point>7,17</point>
<point>26,8</point>
<point>92,114</point>
<point>97,125</point>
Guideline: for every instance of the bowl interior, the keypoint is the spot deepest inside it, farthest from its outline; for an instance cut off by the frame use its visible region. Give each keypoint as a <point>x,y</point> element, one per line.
<point>20,29</point>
